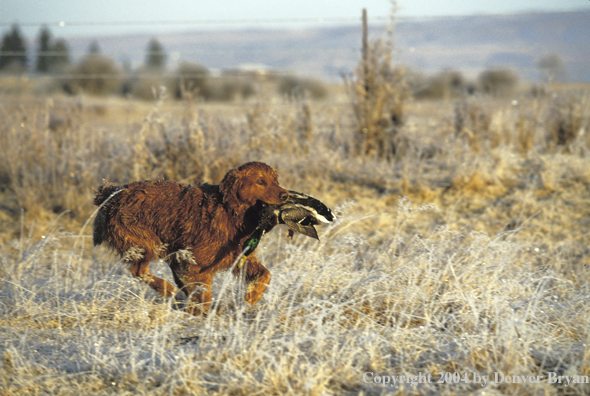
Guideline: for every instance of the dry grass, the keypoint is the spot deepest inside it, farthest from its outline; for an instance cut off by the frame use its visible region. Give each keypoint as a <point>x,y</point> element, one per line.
<point>378,94</point>
<point>468,253</point>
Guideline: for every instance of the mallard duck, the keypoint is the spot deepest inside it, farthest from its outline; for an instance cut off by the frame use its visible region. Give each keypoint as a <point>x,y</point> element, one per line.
<point>300,213</point>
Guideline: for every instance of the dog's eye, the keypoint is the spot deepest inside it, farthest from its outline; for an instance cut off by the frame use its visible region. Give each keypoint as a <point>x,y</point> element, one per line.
<point>261,182</point>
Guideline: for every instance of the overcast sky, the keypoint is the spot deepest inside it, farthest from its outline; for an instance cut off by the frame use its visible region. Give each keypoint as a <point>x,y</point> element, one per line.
<point>107,17</point>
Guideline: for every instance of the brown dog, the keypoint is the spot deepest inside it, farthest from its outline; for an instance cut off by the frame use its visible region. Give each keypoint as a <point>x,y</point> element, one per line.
<point>197,230</point>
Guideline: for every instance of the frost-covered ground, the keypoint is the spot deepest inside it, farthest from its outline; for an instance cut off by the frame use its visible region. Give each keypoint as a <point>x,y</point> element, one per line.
<point>341,316</point>
<point>460,262</point>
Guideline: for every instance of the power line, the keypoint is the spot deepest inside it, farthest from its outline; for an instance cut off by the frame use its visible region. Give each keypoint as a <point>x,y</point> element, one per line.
<point>143,76</point>
<point>272,20</point>
<point>191,22</point>
<point>210,51</point>
<point>194,52</point>
<point>267,20</point>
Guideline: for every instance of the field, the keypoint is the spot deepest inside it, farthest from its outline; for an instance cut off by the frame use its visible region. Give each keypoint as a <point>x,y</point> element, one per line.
<point>459,264</point>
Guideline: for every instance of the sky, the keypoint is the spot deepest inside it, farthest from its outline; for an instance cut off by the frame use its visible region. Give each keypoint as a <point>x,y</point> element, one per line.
<point>67,18</point>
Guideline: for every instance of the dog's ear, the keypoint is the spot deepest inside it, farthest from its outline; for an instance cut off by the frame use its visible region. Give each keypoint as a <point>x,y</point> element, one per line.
<point>229,187</point>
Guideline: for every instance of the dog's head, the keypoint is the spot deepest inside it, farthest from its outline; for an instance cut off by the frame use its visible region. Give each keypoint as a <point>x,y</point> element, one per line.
<point>250,183</point>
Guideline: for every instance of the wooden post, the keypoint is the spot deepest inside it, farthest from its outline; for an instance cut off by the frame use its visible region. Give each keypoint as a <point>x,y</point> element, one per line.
<point>366,131</point>
<point>365,50</point>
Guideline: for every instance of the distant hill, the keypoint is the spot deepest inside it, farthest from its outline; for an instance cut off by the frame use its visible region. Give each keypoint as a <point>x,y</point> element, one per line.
<point>469,44</point>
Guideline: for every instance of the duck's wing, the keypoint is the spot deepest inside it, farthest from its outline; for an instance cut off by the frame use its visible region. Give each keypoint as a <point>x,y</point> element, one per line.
<point>299,219</point>
<point>309,230</point>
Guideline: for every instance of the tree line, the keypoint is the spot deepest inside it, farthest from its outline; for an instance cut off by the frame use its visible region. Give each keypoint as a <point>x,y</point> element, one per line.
<point>53,55</point>
<point>98,74</point>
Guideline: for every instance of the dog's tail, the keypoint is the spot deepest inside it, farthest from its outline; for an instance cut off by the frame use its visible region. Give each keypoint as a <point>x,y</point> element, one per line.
<point>104,192</point>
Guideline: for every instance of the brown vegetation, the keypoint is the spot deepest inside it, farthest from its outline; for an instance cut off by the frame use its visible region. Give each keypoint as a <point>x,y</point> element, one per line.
<point>468,252</point>
<point>444,85</point>
<point>299,88</point>
<point>498,82</point>
<point>94,75</point>
<point>378,94</point>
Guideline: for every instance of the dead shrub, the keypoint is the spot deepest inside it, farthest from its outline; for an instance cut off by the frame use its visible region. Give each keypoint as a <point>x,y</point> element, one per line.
<point>192,80</point>
<point>473,123</point>
<point>94,75</point>
<point>146,84</point>
<point>498,82</point>
<point>378,93</point>
<point>230,87</point>
<point>525,134</point>
<point>304,127</point>
<point>298,88</point>
<point>566,121</point>
<point>445,85</point>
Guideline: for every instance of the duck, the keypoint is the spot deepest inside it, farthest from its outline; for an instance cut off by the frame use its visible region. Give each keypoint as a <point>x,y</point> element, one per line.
<point>301,212</point>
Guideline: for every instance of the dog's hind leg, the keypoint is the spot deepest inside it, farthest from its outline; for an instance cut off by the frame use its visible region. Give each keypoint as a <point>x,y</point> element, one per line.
<point>140,269</point>
<point>139,260</point>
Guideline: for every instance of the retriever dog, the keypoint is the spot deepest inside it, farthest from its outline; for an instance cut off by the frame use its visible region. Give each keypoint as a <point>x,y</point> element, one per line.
<point>197,230</point>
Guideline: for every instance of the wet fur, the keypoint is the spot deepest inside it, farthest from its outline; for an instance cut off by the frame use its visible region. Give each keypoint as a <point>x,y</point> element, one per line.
<point>197,230</point>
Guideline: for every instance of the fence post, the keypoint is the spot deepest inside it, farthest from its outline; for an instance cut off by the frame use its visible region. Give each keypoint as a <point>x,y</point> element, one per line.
<point>365,51</point>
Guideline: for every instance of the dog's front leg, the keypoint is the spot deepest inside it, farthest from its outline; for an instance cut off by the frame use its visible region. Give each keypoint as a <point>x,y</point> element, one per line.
<point>257,278</point>
<point>199,293</point>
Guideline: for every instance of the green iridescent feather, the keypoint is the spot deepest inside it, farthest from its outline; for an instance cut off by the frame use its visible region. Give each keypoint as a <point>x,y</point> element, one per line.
<point>252,242</point>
